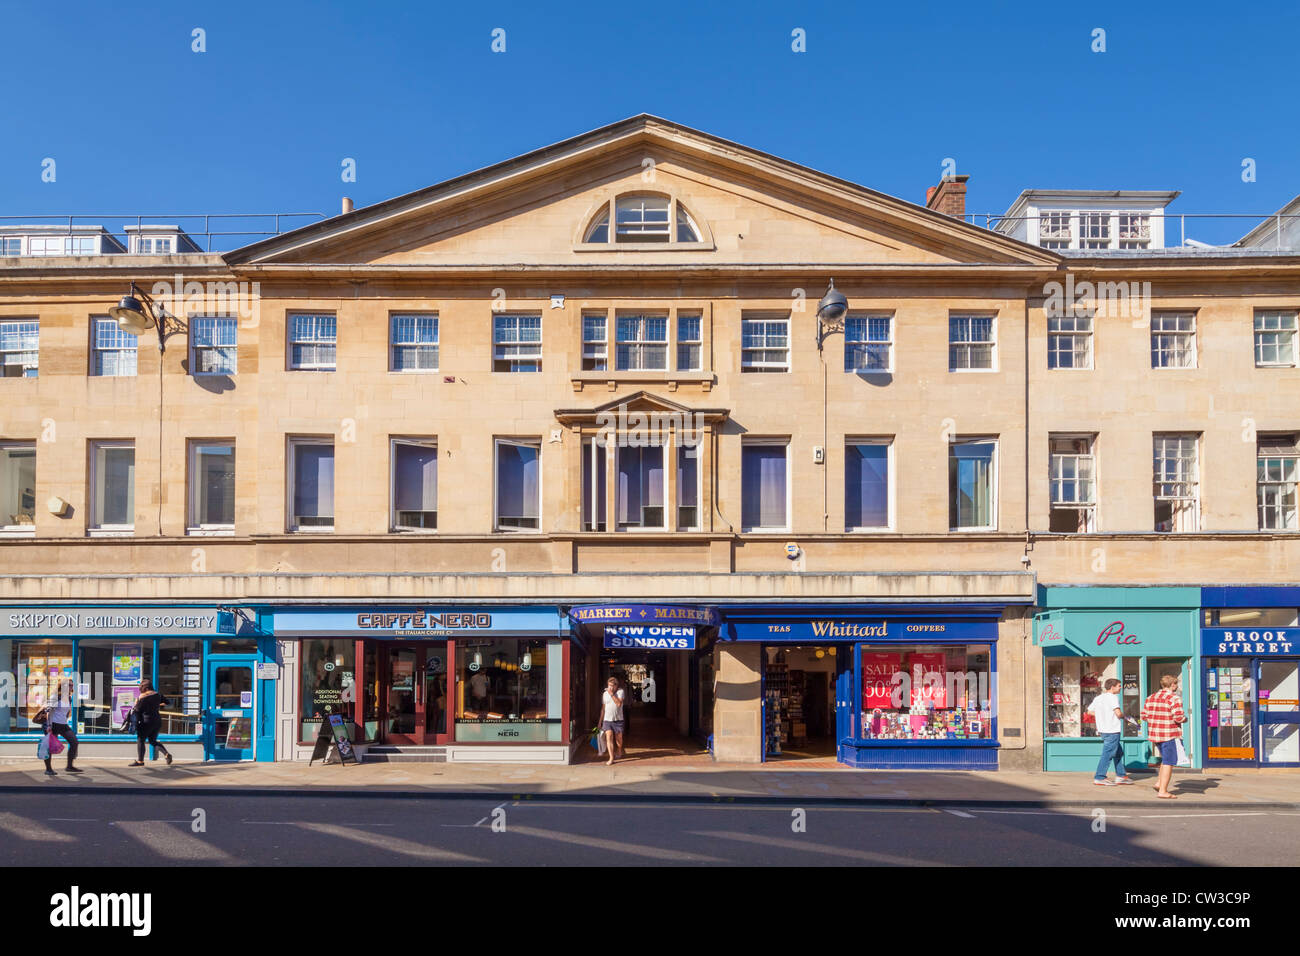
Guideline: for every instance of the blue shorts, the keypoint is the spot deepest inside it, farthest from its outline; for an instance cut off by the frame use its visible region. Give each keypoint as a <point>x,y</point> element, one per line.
<point>1169,752</point>
<point>614,725</point>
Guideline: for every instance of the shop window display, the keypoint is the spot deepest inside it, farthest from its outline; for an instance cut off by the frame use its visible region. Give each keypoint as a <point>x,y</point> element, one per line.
<point>180,680</point>
<point>328,683</point>
<point>508,690</point>
<point>927,692</point>
<point>1072,684</point>
<point>1229,705</point>
<point>38,667</point>
<point>113,670</point>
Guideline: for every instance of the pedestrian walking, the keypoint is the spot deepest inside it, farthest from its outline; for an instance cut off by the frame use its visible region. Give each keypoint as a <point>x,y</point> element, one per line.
<point>1110,724</point>
<point>56,718</point>
<point>148,723</point>
<point>1163,712</point>
<point>612,718</point>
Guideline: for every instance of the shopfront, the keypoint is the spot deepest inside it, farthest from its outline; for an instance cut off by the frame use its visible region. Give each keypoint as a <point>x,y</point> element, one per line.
<point>1250,676</point>
<point>662,656</point>
<point>211,664</point>
<point>1091,635</point>
<point>447,683</point>
<point>887,687</point>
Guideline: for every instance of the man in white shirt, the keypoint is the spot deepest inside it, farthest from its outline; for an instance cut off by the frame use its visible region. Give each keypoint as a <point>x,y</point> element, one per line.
<point>1110,724</point>
<point>612,725</point>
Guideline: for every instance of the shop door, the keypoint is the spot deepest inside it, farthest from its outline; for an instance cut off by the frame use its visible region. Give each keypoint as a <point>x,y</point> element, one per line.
<point>228,717</point>
<point>1278,712</point>
<point>415,691</point>
<point>844,703</point>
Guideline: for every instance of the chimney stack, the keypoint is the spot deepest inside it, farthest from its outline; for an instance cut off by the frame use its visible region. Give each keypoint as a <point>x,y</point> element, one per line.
<point>949,197</point>
<point>347,205</point>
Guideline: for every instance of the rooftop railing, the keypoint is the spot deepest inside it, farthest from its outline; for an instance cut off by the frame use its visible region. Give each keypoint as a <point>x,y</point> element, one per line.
<point>210,232</point>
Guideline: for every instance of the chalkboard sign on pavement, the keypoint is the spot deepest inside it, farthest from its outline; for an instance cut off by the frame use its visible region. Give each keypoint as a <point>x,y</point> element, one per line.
<point>333,731</point>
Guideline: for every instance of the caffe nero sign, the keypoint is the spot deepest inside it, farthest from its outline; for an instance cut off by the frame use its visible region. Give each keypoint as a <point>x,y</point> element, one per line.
<point>37,622</point>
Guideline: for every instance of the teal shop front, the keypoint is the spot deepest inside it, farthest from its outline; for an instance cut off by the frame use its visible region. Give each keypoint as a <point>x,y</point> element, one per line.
<point>209,662</point>
<point>1134,635</point>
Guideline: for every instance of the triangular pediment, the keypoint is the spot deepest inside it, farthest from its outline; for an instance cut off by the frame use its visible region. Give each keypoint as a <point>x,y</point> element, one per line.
<point>638,409</point>
<point>752,209</point>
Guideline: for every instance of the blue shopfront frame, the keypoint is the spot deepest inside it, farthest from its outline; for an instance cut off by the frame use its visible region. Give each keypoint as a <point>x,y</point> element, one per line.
<point>1251,647</point>
<point>876,626</point>
<point>227,623</point>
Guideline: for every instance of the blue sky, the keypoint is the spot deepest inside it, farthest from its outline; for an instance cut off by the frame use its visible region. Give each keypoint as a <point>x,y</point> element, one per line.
<point>137,122</point>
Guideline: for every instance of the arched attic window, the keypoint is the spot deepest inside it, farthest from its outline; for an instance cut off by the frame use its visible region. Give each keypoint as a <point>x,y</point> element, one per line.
<point>643,218</point>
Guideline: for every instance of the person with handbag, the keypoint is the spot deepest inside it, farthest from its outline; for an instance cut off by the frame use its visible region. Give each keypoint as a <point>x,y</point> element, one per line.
<point>148,723</point>
<point>1163,712</point>
<point>55,719</point>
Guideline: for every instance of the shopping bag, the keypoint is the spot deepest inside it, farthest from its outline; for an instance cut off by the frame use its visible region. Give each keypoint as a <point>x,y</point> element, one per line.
<point>43,748</point>
<point>1183,759</point>
<point>54,744</point>
<point>602,745</point>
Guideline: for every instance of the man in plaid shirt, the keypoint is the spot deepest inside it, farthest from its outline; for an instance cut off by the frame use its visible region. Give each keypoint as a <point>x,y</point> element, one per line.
<point>1163,712</point>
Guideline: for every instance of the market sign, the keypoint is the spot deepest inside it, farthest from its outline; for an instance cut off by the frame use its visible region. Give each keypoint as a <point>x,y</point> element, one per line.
<point>644,614</point>
<point>1253,642</point>
<point>47,621</point>
<point>418,622</point>
<point>670,637</point>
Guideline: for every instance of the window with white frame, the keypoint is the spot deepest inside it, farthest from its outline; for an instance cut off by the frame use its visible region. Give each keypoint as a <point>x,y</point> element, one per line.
<point>19,348</point>
<point>212,487</point>
<point>213,345</point>
<point>1177,482</point>
<point>765,344</point>
<point>1275,332</point>
<point>313,339</point>
<point>867,484</point>
<point>688,486</point>
<point>11,245</point>
<point>518,484</point>
<point>414,342</point>
<point>1278,470</point>
<point>690,341</point>
<point>82,245</point>
<point>311,484</point>
<point>972,484</point>
<point>642,218</point>
<point>415,484</point>
<point>1069,341</point>
<point>764,485</point>
<point>1173,340</point>
<point>971,342</point>
<point>594,485</point>
<point>45,246</point>
<point>18,488</point>
<point>112,351</point>
<point>1094,230</point>
<point>516,343</point>
<point>1073,477</point>
<point>868,343</point>
<point>595,342</point>
<point>1054,230</point>
<point>155,245</point>
<point>112,484</point>
<point>641,342</point>
<point>1134,230</point>
<point>642,485</point>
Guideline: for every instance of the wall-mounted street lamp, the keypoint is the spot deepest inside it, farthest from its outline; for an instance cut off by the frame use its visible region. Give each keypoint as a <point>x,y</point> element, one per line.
<point>137,312</point>
<point>830,313</point>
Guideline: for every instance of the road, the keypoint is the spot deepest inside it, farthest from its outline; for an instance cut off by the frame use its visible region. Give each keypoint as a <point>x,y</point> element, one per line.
<point>259,830</point>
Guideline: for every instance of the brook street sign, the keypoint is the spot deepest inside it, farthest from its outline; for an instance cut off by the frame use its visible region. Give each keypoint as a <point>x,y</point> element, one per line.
<point>670,637</point>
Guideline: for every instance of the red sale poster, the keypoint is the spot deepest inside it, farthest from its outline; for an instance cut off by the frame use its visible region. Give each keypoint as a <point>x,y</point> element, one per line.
<point>878,672</point>
<point>929,683</point>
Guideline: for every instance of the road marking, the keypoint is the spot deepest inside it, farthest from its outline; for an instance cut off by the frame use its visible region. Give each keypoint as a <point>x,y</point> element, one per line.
<point>73,819</point>
<point>806,846</point>
<point>780,808</point>
<point>294,823</point>
<point>615,846</point>
<point>1149,816</point>
<point>959,813</point>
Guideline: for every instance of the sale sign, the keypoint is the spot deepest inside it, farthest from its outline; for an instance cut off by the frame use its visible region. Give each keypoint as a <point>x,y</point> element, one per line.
<point>928,684</point>
<point>878,672</point>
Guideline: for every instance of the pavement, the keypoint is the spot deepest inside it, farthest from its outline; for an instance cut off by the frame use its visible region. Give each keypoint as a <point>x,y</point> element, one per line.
<point>688,779</point>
